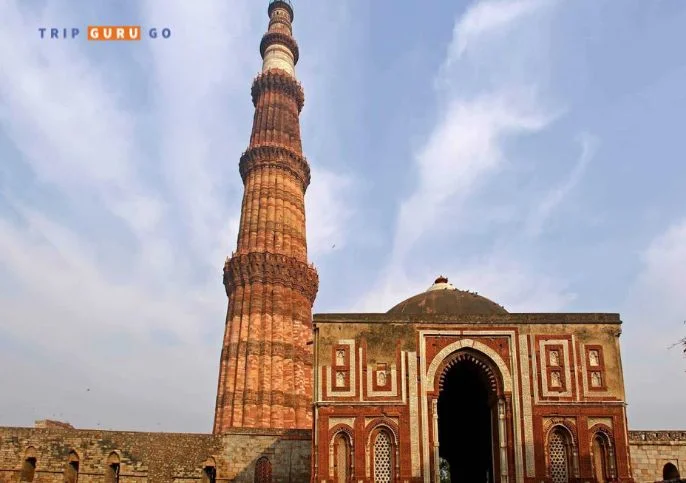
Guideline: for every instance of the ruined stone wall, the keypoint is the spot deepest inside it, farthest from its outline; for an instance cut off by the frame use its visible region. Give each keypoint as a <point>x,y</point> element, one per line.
<point>652,450</point>
<point>155,457</point>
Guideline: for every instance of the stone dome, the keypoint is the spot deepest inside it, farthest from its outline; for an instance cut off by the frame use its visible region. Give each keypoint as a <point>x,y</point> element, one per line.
<point>442,298</point>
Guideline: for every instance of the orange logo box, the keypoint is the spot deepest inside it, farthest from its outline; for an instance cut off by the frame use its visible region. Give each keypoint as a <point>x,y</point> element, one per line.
<point>114,32</point>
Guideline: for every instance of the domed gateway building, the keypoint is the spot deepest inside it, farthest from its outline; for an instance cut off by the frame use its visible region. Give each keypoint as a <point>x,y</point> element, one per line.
<point>445,386</point>
<point>448,383</point>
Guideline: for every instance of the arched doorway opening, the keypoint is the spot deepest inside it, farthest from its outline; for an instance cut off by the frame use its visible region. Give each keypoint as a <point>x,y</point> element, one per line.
<point>468,425</point>
<point>112,469</point>
<point>670,472</point>
<point>28,468</point>
<point>71,472</point>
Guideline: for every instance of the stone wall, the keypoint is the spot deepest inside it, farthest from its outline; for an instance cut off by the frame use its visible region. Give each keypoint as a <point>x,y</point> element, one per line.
<point>155,457</point>
<point>652,450</point>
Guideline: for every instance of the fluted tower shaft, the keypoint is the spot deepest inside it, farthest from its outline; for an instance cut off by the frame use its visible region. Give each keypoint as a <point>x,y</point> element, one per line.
<point>265,375</point>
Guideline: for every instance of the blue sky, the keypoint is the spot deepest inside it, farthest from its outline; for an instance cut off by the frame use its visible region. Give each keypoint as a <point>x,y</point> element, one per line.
<point>530,150</point>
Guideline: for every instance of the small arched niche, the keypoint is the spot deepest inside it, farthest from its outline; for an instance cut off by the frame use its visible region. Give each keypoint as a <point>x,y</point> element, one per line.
<point>112,468</point>
<point>209,471</point>
<point>28,467</point>
<point>602,456</point>
<point>71,470</point>
<point>341,447</point>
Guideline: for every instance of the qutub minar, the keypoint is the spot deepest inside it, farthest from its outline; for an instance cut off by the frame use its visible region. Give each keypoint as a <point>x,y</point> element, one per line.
<point>265,376</point>
<point>445,386</point>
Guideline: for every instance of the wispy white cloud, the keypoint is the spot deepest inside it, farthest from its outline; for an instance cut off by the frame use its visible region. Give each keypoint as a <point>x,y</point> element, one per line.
<point>556,196</point>
<point>162,178</point>
<point>327,211</point>
<point>488,18</point>
<point>654,314</point>
<point>201,139</point>
<point>466,149</point>
<point>662,279</point>
<point>93,332</point>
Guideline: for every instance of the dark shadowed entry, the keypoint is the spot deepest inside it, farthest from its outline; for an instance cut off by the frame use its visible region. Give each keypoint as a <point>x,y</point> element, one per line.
<point>467,421</point>
<point>263,470</point>
<point>670,472</point>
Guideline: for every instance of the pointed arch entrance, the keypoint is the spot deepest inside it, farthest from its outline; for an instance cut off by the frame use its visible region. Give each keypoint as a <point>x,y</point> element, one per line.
<point>468,429</point>
<point>471,400</point>
<point>467,420</point>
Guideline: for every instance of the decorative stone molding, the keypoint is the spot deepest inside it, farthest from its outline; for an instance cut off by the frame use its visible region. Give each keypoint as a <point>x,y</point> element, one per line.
<point>271,38</point>
<point>383,422</point>
<point>272,397</point>
<point>639,436</point>
<point>349,369</point>
<point>342,428</point>
<point>277,80</point>
<point>268,348</point>
<point>270,268</point>
<point>605,429</point>
<point>278,157</point>
<point>474,358</point>
<point>475,346</point>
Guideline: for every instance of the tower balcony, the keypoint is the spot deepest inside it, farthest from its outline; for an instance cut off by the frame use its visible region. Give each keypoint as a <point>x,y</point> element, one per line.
<point>283,4</point>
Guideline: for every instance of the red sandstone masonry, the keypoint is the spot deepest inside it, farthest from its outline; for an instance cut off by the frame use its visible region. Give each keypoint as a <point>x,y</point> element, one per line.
<point>266,370</point>
<point>379,338</point>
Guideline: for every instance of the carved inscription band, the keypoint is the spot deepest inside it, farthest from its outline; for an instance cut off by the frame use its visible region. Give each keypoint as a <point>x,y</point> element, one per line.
<point>278,81</point>
<point>280,398</point>
<point>275,157</point>
<point>261,267</point>
<point>262,348</point>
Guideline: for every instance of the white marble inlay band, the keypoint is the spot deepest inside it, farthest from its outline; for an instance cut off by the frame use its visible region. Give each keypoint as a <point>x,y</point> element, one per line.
<point>414,414</point>
<point>526,408</point>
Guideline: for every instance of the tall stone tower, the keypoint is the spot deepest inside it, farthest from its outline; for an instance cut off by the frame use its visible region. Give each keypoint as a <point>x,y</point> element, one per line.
<point>265,374</point>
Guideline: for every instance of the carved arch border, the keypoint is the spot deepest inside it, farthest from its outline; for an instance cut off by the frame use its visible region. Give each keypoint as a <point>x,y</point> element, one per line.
<point>605,430</point>
<point>564,423</point>
<point>335,431</point>
<point>487,367</point>
<point>369,430</point>
<point>342,427</point>
<point>448,350</point>
<point>569,427</point>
